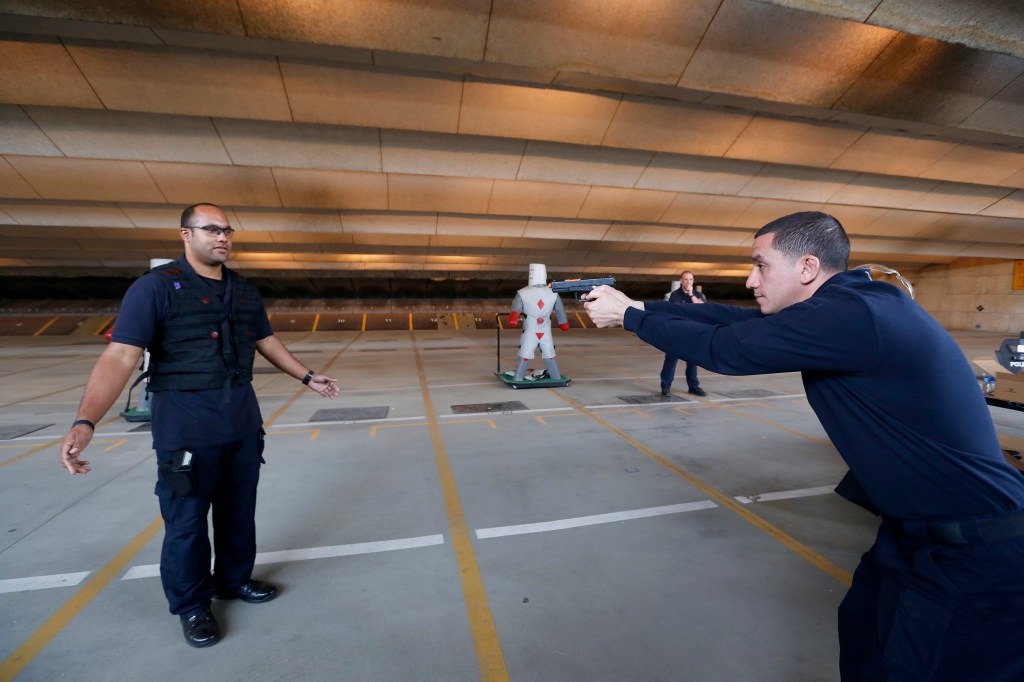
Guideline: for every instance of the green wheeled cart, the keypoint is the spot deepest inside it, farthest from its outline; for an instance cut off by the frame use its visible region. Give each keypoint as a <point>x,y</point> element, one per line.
<point>141,413</point>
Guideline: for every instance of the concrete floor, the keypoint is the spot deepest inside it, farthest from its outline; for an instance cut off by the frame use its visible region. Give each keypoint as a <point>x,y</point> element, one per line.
<point>579,537</point>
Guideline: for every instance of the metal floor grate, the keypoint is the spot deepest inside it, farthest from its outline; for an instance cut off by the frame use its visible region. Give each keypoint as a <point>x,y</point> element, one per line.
<point>651,399</point>
<point>350,414</point>
<point>473,408</point>
<point>749,393</point>
<point>17,431</point>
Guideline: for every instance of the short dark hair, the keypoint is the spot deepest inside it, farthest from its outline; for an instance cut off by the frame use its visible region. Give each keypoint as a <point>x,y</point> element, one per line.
<point>814,233</point>
<point>186,215</point>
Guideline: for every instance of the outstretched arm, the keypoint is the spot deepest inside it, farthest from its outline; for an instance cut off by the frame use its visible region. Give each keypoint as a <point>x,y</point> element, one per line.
<point>107,380</point>
<point>709,313</point>
<point>279,356</point>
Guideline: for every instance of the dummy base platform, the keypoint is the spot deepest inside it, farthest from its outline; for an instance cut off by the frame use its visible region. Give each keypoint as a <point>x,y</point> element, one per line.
<point>508,379</point>
<point>133,415</point>
<point>142,412</point>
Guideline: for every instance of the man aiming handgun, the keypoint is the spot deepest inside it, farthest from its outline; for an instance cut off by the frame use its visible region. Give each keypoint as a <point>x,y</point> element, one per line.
<point>939,596</point>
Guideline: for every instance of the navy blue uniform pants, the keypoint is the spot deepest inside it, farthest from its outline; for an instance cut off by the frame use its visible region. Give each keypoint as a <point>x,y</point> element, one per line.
<point>939,613</point>
<point>668,373</point>
<point>223,477</point>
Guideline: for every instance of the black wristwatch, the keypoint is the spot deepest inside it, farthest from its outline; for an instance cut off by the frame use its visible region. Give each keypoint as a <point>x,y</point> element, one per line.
<point>307,378</point>
<point>84,421</point>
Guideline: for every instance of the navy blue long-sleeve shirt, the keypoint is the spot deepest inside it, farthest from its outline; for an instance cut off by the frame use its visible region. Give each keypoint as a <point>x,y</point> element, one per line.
<point>888,383</point>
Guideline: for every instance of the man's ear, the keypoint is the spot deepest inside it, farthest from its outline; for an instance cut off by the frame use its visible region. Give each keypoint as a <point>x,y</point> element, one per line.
<point>186,234</point>
<point>810,267</point>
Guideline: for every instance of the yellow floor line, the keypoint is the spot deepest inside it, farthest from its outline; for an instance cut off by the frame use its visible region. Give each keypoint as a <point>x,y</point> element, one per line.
<point>302,391</point>
<point>478,610</point>
<point>46,446</point>
<point>24,654</point>
<point>814,439</point>
<point>103,326</point>
<point>726,501</point>
<point>44,395</point>
<point>46,326</point>
<point>733,410</point>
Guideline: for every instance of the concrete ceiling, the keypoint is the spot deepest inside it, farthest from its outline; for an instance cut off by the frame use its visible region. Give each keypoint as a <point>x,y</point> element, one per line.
<point>468,138</point>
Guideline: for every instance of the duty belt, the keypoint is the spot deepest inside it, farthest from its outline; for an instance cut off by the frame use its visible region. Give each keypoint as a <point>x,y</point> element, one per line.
<point>965,532</point>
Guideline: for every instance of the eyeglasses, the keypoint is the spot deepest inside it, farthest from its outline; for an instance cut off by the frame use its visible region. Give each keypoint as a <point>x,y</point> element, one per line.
<point>215,230</point>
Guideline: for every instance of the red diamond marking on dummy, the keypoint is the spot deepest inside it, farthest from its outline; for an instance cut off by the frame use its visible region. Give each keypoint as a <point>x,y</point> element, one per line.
<point>540,335</point>
<point>540,304</point>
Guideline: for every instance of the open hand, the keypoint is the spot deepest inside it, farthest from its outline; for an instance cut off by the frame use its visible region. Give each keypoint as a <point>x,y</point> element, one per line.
<point>324,385</point>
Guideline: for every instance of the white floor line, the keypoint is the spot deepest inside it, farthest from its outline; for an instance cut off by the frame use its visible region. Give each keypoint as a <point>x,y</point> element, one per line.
<point>786,494</point>
<point>613,517</point>
<point>452,416</point>
<point>153,570</point>
<point>478,383</point>
<point>99,434</point>
<point>41,582</point>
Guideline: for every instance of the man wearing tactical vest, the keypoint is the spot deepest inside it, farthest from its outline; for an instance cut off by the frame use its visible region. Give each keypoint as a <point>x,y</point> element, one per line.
<point>203,325</point>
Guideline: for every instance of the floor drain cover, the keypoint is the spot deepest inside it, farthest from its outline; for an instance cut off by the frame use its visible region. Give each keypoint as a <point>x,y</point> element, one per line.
<point>350,414</point>
<point>11,432</point>
<point>749,393</point>
<point>474,408</point>
<point>651,399</point>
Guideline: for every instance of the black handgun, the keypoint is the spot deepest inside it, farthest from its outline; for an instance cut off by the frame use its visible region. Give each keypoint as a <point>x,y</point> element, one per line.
<point>580,286</point>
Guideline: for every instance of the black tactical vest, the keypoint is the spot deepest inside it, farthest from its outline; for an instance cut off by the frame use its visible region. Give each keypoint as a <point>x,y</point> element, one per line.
<point>201,344</point>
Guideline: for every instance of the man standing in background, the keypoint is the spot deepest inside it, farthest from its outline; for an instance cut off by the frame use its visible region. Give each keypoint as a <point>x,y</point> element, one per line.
<point>684,295</point>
